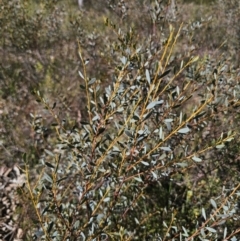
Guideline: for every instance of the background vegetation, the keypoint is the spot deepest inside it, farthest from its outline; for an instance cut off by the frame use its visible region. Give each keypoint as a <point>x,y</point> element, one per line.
<point>127,108</point>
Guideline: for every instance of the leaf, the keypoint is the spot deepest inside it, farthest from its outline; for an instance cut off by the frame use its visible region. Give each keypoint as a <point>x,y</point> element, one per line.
<point>142,137</point>
<point>101,99</point>
<point>226,208</point>
<point>136,117</point>
<point>202,231</point>
<point>165,148</point>
<point>120,132</point>
<point>145,163</point>
<point>45,210</point>
<point>165,73</point>
<point>213,203</point>
<point>169,127</point>
<point>92,81</point>
<point>100,130</point>
<point>49,152</point>
<point>220,146</point>
<point>54,105</point>
<point>136,221</point>
<point>154,103</point>
<point>96,117</point>
<point>164,224</point>
<point>163,156</point>
<point>212,230</point>
<point>148,76</point>
<point>180,118</point>
<point>184,130</point>
<point>194,59</point>
<point>47,177</point>
<point>123,60</point>
<point>58,181</point>
<point>120,109</point>
<point>140,132</point>
<point>138,179</point>
<point>182,164</point>
<point>161,134</point>
<point>116,149</point>
<point>185,232</point>
<point>174,228</point>
<point>178,92</point>
<point>154,175</point>
<point>196,159</point>
<point>200,115</point>
<point>86,61</point>
<point>81,75</point>
<point>147,116</point>
<point>128,133</point>
<point>181,64</point>
<point>84,123</point>
<point>106,199</point>
<point>204,213</point>
<point>49,164</point>
<point>230,139</point>
<point>50,227</point>
<point>168,120</point>
<point>225,233</point>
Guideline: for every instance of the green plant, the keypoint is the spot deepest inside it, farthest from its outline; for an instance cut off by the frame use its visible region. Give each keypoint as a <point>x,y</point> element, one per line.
<point>134,167</point>
<point>141,80</point>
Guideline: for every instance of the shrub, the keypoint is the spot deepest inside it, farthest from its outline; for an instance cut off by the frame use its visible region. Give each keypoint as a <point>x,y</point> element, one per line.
<point>142,163</point>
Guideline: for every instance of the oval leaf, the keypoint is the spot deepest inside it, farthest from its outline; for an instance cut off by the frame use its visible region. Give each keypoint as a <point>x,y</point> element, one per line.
<point>165,148</point>
<point>154,103</point>
<point>145,163</point>
<point>212,230</point>
<point>184,130</point>
<point>220,146</point>
<point>196,159</point>
<point>213,203</point>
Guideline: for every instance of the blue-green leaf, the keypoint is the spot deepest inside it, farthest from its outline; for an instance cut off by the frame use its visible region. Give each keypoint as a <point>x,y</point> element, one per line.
<point>148,77</point>
<point>154,103</point>
<point>184,130</point>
